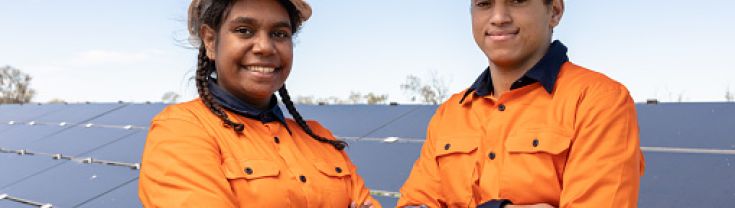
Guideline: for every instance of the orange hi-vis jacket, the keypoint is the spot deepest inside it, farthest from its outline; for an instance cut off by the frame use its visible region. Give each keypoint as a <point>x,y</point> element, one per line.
<point>192,160</point>
<point>577,146</point>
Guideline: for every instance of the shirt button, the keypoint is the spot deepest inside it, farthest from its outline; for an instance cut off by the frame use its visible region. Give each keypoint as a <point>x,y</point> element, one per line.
<point>249,171</point>
<point>491,155</point>
<point>277,140</point>
<point>338,169</point>
<point>302,178</point>
<point>447,146</point>
<point>501,107</point>
<point>535,142</point>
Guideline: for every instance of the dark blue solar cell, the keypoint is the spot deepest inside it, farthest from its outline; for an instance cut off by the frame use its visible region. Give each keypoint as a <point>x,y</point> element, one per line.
<point>79,113</point>
<point>412,125</point>
<point>78,140</point>
<point>20,135</point>
<point>72,183</point>
<point>688,180</point>
<point>127,149</point>
<point>386,201</point>
<point>691,125</point>
<point>353,120</point>
<point>124,196</point>
<point>383,166</point>
<point>132,114</point>
<point>28,112</point>
<point>16,167</point>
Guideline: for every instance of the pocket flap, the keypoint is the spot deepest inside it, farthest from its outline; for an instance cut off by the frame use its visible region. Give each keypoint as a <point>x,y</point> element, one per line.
<point>548,141</point>
<point>334,169</point>
<point>456,144</point>
<point>250,169</point>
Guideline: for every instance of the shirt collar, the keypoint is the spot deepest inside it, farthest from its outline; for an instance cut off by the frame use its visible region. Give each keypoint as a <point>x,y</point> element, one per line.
<point>544,72</point>
<point>232,103</point>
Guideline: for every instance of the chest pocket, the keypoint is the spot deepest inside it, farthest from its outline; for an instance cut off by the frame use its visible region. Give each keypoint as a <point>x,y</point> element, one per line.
<point>335,183</point>
<point>540,154</point>
<point>551,141</point>
<point>456,158</point>
<point>250,169</point>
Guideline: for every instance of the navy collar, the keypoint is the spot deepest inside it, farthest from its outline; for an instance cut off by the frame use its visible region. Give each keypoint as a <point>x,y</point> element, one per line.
<point>544,72</point>
<point>232,103</point>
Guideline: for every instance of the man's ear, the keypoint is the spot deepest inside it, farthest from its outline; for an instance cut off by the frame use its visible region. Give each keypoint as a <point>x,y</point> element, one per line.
<point>557,11</point>
<point>209,39</point>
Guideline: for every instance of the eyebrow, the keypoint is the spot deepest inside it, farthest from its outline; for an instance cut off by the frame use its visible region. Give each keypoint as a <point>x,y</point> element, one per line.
<point>253,21</point>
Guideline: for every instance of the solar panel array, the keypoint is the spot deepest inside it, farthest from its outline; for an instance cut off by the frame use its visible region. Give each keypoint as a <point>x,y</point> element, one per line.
<point>88,155</point>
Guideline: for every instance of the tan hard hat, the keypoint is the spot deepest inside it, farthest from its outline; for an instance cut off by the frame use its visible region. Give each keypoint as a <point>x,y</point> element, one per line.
<point>197,8</point>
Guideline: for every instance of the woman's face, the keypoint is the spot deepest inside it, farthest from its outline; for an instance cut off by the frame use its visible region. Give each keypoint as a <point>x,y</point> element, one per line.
<point>253,50</point>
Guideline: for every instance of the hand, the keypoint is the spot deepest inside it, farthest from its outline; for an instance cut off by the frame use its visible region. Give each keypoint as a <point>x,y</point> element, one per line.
<point>543,205</point>
<point>367,204</point>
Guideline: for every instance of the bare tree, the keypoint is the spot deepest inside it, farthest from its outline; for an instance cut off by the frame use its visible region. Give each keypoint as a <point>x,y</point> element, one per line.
<point>170,97</point>
<point>374,99</point>
<point>433,92</point>
<point>15,86</point>
<point>729,97</point>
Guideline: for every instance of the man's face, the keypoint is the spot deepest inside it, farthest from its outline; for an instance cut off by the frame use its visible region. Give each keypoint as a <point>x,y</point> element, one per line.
<point>513,32</point>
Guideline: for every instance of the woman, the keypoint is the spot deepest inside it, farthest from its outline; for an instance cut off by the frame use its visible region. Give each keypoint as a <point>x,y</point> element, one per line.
<point>232,147</point>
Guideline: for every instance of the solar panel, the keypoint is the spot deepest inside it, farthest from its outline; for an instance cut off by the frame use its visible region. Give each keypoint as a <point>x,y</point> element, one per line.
<point>134,114</point>
<point>412,125</point>
<point>25,113</point>
<point>124,196</point>
<point>352,121</point>
<point>688,180</point>
<point>694,125</point>
<point>383,166</point>
<point>72,183</point>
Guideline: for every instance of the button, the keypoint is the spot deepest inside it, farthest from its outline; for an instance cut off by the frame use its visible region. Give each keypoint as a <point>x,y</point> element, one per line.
<point>249,171</point>
<point>501,107</point>
<point>277,140</point>
<point>535,142</point>
<point>491,155</point>
<point>338,169</point>
<point>447,146</point>
<point>302,178</point>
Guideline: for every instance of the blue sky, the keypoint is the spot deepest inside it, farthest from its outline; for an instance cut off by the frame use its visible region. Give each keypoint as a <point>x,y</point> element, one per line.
<point>105,51</point>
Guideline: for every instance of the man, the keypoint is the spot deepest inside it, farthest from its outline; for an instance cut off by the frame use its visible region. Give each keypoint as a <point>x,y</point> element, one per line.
<point>534,130</point>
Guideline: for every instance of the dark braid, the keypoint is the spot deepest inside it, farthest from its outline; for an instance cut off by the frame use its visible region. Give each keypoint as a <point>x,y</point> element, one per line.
<point>286,99</point>
<point>204,69</point>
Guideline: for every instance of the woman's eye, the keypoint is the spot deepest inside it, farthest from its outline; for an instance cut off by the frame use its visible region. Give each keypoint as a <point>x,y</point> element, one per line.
<point>244,31</point>
<point>281,34</point>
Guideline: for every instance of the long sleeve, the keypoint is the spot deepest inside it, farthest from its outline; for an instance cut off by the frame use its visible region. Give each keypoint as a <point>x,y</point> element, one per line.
<point>181,167</point>
<point>423,185</point>
<point>605,162</point>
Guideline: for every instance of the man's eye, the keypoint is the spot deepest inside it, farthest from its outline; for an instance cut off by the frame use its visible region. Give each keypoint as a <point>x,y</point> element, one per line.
<point>518,1</point>
<point>482,4</point>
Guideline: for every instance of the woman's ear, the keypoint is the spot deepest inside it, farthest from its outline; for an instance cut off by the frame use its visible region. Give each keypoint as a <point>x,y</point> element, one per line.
<point>209,39</point>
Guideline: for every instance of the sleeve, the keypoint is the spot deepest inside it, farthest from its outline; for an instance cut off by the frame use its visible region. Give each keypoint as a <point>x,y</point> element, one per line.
<point>181,167</point>
<point>605,162</point>
<point>422,188</point>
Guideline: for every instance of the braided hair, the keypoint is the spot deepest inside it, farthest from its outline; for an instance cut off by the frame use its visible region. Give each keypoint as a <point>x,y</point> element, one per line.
<point>212,16</point>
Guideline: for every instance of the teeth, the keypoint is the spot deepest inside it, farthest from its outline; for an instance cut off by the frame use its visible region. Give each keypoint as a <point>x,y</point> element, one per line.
<point>262,69</point>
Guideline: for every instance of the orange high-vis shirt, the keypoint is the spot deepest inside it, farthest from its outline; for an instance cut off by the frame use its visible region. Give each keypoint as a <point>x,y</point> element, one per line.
<point>192,160</point>
<point>577,146</point>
